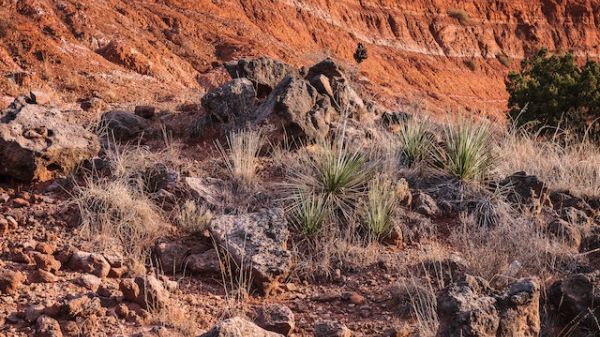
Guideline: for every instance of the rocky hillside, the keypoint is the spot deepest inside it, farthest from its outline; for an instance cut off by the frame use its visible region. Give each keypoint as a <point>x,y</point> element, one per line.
<point>435,54</point>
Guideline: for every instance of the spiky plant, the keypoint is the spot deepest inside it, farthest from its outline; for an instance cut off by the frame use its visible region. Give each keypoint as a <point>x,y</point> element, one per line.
<point>415,141</point>
<point>336,173</point>
<point>310,214</point>
<point>379,208</point>
<point>241,157</point>
<point>467,150</point>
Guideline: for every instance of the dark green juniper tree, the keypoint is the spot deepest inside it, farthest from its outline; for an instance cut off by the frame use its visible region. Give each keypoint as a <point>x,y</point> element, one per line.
<point>552,90</point>
<point>361,53</point>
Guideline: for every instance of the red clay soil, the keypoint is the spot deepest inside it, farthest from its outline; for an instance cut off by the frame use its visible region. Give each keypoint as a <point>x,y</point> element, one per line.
<point>434,54</point>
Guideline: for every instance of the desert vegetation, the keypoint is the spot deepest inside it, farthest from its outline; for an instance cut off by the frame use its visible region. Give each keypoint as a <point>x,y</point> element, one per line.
<point>302,193</point>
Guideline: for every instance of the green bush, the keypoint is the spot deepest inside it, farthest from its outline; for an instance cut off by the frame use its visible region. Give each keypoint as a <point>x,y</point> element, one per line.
<point>551,90</point>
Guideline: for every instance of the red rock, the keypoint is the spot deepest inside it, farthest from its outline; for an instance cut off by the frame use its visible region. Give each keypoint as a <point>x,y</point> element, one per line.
<point>20,202</point>
<point>10,281</point>
<point>46,262</point>
<point>47,327</point>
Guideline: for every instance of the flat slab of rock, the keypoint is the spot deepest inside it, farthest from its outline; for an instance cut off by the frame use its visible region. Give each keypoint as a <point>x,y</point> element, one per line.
<point>257,240</point>
<point>238,327</point>
<point>38,143</point>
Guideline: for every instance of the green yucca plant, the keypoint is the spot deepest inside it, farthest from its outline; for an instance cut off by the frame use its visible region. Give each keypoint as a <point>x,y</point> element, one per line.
<point>467,150</point>
<point>241,157</point>
<point>379,207</point>
<point>415,141</point>
<point>310,213</point>
<point>335,173</point>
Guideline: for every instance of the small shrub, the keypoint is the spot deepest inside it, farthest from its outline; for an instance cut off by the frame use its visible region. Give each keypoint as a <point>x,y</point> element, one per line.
<point>361,53</point>
<point>504,60</point>
<point>471,64</point>
<point>415,142</point>
<point>461,15</point>
<point>192,219</point>
<point>552,91</point>
<point>467,151</point>
<point>379,207</point>
<point>241,157</point>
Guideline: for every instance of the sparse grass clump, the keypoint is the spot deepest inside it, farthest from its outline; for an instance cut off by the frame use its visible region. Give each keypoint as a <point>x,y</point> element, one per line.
<point>191,218</point>
<point>115,209</point>
<point>241,156</point>
<point>461,15</point>
<point>334,173</point>
<point>415,142</point>
<point>379,207</point>
<point>504,60</point>
<point>467,150</point>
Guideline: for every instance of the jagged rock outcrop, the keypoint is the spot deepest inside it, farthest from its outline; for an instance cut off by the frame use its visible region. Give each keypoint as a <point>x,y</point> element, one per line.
<point>38,143</point>
<point>265,73</point>
<point>256,241</point>
<point>471,309</point>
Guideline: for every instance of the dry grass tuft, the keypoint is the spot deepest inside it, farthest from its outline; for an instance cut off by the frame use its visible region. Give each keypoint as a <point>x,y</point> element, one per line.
<point>572,166</point>
<point>241,156</point>
<point>461,15</point>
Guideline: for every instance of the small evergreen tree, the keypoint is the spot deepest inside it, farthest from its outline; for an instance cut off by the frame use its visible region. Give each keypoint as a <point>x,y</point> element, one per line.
<point>361,53</point>
<point>551,90</point>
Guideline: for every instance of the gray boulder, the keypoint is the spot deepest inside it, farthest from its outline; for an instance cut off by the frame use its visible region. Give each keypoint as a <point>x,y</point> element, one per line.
<point>257,241</point>
<point>238,327</point>
<point>295,107</point>
<point>231,102</point>
<point>38,143</point>
<point>471,309</point>
<point>275,317</point>
<point>123,125</point>
<point>264,73</point>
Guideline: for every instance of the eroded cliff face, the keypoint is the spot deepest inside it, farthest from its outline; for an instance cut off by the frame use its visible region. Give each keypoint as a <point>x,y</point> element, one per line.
<point>172,50</point>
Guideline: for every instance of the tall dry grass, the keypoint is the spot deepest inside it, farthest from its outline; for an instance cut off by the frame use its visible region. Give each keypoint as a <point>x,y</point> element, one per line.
<point>574,165</point>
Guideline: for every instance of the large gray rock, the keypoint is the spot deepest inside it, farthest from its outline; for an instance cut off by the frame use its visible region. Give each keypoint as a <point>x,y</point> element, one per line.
<point>238,327</point>
<point>37,143</point>
<point>257,241</point>
<point>264,73</point>
<point>295,107</point>
<point>231,102</point>
<point>471,309</point>
<point>576,298</point>
<point>123,125</point>
<point>275,317</point>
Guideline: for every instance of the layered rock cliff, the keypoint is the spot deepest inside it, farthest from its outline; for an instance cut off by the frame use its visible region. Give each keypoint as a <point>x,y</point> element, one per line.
<point>437,55</point>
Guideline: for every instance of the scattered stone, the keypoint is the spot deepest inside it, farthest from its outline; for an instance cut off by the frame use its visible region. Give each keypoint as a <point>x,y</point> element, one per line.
<point>47,327</point>
<point>520,310</point>
<point>257,240</point>
<point>37,143</point>
<point>354,298</point>
<point>33,312</point>
<point>565,232</point>
<point>423,203</point>
<point>231,102</point>
<point>275,317</point>
<point>46,262</point>
<point>147,291</point>
<point>89,281</point>
<point>42,276</point>
<point>331,329</point>
<point>238,327</point>
<point>171,256</point>
<point>145,111</point>
<point>207,262</point>
<point>20,202</point>
<point>123,125</point>
<point>10,281</point>
<point>39,97</point>
<point>89,263</point>
<point>45,248</point>
<point>211,191</point>
<point>525,188</point>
